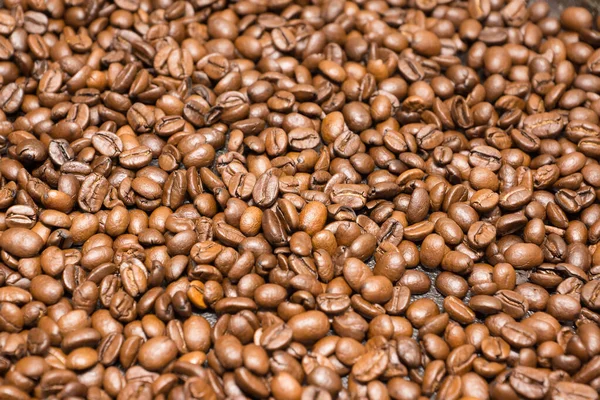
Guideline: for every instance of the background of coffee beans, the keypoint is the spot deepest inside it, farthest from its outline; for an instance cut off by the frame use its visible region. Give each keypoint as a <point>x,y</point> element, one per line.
<point>280,199</point>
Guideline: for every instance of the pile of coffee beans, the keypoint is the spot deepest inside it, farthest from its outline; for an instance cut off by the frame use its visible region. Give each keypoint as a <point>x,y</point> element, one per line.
<point>299,200</point>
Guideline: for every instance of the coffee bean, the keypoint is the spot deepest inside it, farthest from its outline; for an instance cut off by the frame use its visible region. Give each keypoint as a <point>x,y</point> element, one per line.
<point>518,335</point>
<point>300,176</point>
<point>107,143</point>
<point>93,190</point>
<point>307,327</point>
<point>566,389</point>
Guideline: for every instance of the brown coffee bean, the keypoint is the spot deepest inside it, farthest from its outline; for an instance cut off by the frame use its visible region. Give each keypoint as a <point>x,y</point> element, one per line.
<point>300,175</point>
<point>157,352</point>
<point>524,255</point>
<point>21,242</point>
<point>309,326</point>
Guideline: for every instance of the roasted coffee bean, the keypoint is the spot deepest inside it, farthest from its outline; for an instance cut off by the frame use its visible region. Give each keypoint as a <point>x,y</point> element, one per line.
<point>218,199</point>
